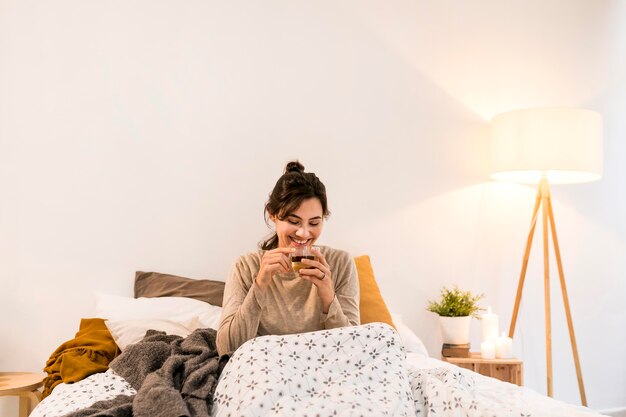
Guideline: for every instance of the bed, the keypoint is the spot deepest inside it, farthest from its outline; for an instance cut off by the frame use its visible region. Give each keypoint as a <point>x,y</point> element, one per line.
<point>369,370</point>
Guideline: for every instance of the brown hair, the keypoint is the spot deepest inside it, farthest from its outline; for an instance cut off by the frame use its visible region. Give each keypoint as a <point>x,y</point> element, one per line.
<point>291,189</point>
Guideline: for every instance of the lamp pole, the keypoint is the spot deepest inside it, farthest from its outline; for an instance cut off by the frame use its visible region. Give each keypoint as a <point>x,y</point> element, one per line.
<point>543,200</point>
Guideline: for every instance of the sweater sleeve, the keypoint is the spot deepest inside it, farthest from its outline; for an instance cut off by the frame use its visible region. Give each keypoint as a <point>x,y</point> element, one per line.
<point>241,312</point>
<point>344,309</point>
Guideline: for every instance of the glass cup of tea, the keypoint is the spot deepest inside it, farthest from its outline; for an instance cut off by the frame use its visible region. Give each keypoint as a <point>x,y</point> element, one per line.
<point>298,255</point>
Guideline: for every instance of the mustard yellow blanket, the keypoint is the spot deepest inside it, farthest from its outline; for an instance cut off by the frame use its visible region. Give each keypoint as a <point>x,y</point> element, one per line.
<point>89,352</point>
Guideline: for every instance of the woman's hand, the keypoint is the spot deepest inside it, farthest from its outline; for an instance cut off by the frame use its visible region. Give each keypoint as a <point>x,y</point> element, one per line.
<point>319,274</point>
<point>275,260</point>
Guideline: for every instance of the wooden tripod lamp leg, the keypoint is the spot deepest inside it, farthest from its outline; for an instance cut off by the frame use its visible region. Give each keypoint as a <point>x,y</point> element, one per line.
<point>545,197</point>
<point>568,314</point>
<point>522,276</point>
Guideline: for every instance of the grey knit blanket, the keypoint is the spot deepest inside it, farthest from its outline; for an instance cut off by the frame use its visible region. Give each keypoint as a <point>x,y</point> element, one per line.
<point>173,376</point>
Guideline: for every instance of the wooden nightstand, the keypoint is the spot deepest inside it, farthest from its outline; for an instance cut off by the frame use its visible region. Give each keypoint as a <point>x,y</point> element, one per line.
<point>24,385</point>
<point>507,370</point>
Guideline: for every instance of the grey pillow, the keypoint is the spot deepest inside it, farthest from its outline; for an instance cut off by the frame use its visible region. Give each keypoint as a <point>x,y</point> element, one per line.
<point>156,284</point>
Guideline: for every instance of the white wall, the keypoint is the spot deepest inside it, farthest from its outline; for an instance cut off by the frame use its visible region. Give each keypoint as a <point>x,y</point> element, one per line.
<point>147,135</point>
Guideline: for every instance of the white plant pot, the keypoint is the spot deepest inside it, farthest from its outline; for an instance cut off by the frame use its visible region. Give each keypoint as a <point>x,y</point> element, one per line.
<point>455,330</point>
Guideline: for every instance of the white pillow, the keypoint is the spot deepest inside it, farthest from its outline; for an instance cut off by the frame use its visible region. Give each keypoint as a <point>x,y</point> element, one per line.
<point>127,332</point>
<point>176,309</point>
<point>412,342</point>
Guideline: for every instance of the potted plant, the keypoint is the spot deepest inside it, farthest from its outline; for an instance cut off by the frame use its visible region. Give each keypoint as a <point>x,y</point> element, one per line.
<point>455,309</point>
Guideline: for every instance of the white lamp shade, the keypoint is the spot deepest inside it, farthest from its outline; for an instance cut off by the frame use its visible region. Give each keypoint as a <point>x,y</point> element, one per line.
<point>563,145</point>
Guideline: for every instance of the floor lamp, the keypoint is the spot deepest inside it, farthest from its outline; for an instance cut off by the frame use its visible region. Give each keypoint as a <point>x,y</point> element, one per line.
<point>547,146</point>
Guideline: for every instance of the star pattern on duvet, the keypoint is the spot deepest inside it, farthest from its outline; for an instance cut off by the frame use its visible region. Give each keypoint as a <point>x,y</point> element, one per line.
<point>351,371</point>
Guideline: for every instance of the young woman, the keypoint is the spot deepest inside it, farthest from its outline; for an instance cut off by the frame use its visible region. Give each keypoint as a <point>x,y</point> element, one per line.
<point>264,295</point>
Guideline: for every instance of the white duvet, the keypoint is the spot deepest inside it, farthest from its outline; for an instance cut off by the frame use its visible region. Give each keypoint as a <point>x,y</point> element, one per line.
<point>443,389</point>
<point>352,371</point>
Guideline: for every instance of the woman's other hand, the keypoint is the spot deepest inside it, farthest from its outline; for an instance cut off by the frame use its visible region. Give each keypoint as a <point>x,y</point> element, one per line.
<point>319,274</point>
<point>275,260</point>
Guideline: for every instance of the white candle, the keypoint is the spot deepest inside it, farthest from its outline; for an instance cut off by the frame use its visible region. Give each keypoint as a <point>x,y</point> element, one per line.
<point>487,350</point>
<point>490,326</point>
<point>504,347</point>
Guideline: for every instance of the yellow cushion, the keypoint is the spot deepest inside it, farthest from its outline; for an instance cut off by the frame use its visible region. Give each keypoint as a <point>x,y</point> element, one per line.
<point>372,305</point>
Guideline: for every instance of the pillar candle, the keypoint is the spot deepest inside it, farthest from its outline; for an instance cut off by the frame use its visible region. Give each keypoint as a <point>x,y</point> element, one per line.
<point>504,347</point>
<point>488,350</point>
<point>490,326</point>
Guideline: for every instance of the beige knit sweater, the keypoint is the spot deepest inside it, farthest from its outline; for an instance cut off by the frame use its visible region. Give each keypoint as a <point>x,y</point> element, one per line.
<point>289,305</point>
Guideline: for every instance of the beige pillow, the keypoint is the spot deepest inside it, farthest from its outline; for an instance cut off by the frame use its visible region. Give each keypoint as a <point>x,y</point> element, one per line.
<point>156,284</point>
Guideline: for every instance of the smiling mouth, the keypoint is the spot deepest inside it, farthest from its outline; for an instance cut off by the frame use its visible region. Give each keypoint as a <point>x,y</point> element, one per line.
<point>299,242</point>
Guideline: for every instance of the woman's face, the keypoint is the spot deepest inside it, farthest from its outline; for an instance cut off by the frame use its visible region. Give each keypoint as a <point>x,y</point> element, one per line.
<point>301,227</point>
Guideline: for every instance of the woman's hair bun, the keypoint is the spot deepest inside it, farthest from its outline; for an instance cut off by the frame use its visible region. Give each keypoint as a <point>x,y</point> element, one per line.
<point>294,166</point>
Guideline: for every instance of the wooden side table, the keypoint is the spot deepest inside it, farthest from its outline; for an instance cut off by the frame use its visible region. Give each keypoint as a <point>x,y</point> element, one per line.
<point>24,385</point>
<point>507,370</point>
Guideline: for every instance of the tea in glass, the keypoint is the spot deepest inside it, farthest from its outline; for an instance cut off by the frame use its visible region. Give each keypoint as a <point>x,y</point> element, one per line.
<point>298,256</point>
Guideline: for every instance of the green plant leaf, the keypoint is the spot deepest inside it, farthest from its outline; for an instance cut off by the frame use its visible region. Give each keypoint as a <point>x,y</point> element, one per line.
<point>456,303</point>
